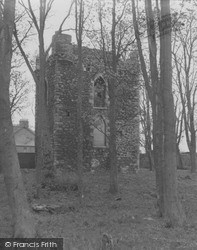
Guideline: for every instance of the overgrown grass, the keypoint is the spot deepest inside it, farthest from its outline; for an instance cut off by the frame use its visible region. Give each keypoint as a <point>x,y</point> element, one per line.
<point>101,221</point>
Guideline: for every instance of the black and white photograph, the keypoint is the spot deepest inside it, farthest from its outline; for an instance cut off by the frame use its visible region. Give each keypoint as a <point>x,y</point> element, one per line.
<point>98,124</point>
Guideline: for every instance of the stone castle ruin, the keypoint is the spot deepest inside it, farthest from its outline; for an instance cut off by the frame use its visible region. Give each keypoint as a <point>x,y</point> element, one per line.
<point>61,80</point>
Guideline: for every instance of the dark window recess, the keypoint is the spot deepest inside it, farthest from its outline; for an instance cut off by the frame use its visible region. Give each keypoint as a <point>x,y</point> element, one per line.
<point>99,93</point>
<point>26,160</point>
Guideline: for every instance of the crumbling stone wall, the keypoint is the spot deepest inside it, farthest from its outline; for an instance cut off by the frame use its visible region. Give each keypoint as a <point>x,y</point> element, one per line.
<point>62,96</point>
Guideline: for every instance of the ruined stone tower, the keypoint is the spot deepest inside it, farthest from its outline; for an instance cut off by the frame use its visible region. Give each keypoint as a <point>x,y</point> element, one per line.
<point>61,97</point>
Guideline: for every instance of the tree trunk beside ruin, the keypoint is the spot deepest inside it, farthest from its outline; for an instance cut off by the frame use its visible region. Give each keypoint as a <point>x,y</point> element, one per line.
<point>113,189</point>
<point>23,222</point>
<point>173,211</point>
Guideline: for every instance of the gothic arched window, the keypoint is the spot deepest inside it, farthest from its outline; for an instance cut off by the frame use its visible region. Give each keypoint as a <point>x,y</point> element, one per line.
<point>99,133</point>
<point>99,93</point>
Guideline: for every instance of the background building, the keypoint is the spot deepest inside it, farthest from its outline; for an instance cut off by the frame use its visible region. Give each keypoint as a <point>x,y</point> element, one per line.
<point>25,144</point>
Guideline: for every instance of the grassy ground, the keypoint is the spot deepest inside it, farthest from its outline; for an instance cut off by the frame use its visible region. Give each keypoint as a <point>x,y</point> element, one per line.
<point>129,219</point>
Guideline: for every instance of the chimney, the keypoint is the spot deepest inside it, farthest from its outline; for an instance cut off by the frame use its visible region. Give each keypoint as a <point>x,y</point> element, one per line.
<point>61,44</point>
<point>23,123</point>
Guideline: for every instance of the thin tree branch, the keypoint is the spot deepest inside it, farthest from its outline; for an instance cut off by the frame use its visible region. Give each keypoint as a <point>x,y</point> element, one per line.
<point>69,11</point>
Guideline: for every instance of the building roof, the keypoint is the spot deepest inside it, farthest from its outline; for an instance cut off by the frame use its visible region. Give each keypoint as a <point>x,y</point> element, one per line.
<point>17,128</point>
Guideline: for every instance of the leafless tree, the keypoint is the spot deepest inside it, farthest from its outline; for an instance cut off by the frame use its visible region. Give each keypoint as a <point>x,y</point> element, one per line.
<point>79,19</point>
<point>179,129</point>
<point>172,208</point>
<point>114,39</point>
<point>18,92</point>
<point>44,156</point>
<point>162,106</point>
<point>184,55</point>
<point>153,88</point>
<point>146,123</point>
<point>44,161</point>
<point>23,222</point>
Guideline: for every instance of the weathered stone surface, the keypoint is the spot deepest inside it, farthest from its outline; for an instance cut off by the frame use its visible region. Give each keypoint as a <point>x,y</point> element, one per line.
<point>61,81</point>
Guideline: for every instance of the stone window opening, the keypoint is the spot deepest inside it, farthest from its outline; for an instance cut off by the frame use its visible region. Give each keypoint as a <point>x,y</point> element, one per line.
<point>99,93</point>
<point>99,132</point>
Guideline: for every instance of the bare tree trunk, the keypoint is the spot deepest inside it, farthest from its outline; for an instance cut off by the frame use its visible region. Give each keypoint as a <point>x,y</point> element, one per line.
<point>113,189</point>
<point>112,110</point>
<point>44,155</point>
<point>192,148</point>
<point>148,141</point>
<point>156,103</point>
<point>80,129</point>
<point>44,158</point>
<point>23,222</point>
<point>186,76</point>
<point>148,137</point>
<point>189,124</point>
<point>193,153</point>
<point>154,93</point>
<point>158,149</point>
<point>79,32</point>
<point>173,211</point>
<point>190,134</point>
<point>179,159</point>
